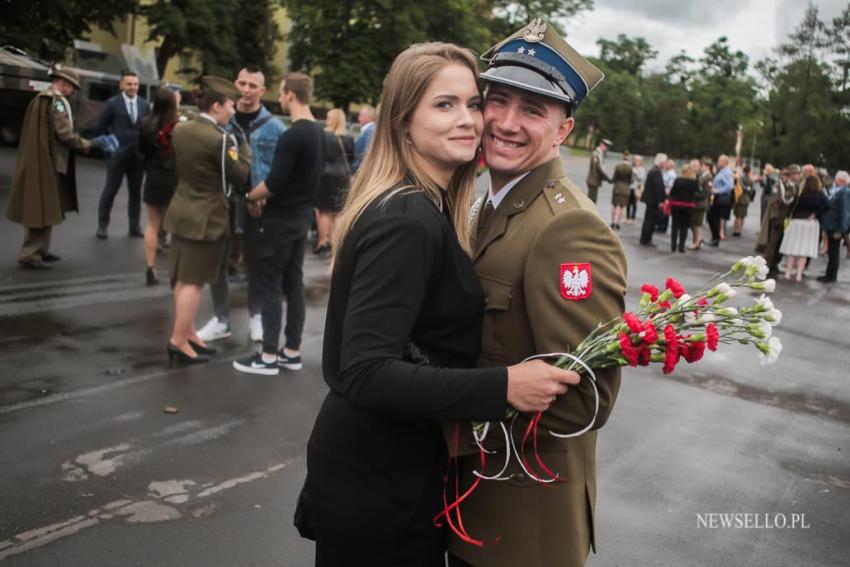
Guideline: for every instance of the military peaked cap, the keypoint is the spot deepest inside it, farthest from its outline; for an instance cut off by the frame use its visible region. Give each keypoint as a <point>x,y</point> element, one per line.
<point>538,60</point>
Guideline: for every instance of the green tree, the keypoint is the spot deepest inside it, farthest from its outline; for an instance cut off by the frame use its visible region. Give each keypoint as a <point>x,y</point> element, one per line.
<point>840,35</point>
<point>48,27</point>
<point>349,46</point>
<point>626,53</point>
<point>510,15</point>
<point>226,34</point>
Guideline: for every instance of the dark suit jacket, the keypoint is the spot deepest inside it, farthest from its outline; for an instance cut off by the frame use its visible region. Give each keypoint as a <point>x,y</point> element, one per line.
<point>654,193</point>
<point>114,119</point>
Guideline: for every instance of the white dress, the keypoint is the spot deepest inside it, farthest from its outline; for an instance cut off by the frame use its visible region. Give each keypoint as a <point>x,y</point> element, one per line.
<point>801,238</point>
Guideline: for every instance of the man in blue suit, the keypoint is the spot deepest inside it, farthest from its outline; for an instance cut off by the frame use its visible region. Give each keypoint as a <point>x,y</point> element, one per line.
<point>121,117</point>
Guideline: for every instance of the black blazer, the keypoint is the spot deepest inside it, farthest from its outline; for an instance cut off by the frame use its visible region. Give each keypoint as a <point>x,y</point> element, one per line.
<point>400,278</point>
<point>114,119</point>
<point>653,190</point>
<point>684,190</point>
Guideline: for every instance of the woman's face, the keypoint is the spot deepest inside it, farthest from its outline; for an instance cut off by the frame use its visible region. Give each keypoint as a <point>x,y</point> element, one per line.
<point>445,129</point>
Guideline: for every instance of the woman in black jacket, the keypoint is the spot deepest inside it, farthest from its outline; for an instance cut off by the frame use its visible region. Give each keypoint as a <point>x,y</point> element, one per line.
<point>403,326</point>
<point>683,196</point>
<point>160,173</point>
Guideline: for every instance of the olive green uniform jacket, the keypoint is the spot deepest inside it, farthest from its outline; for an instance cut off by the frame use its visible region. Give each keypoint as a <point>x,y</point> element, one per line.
<point>545,221</point>
<point>207,160</point>
<point>622,178</point>
<point>38,198</point>
<point>595,173</point>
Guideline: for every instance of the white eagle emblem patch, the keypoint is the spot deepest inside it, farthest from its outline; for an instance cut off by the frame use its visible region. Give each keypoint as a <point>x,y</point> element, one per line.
<point>576,280</point>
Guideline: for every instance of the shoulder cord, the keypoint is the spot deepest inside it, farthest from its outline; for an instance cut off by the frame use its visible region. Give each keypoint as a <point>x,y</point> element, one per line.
<point>510,443</point>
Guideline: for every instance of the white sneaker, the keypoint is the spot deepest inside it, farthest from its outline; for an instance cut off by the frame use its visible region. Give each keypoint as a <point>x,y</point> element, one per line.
<point>255,324</point>
<point>214,330</point>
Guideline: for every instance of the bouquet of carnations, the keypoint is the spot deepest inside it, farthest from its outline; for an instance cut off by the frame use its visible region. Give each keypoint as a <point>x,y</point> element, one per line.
<point>668,326</point>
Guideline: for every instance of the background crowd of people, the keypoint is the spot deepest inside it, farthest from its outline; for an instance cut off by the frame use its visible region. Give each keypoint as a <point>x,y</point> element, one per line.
<point>804,211</point>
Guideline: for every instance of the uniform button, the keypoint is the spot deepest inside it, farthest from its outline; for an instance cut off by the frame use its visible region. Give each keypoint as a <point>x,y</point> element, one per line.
<point>550,184</point>
<point>518,476</point>
<point>486,301</point>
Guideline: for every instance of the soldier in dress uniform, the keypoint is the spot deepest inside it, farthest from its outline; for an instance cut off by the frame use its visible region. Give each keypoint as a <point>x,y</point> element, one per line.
<point>779,207</point>
<point>209,163</point>
<point>551,269</point>
<point>595,174</point>
<point>44,186</point>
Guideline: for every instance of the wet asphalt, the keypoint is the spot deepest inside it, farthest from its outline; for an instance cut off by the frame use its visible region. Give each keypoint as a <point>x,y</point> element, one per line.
<point>94,472</point>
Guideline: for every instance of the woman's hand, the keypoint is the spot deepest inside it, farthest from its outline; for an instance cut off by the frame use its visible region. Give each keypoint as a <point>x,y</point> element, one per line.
<point>534,385</point>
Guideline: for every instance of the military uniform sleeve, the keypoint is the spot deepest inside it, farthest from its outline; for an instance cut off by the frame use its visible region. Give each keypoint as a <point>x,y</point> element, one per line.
<point>238,163</point>
<point>559,324</point>
<point>62,128</point>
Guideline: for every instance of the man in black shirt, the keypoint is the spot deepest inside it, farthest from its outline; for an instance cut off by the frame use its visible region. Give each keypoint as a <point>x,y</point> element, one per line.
<point>285,201</point>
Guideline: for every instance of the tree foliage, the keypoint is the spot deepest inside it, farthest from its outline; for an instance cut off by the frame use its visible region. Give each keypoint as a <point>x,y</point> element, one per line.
<point>47,27</point>
<point>349,46</point>
<point>793,106</point>
<point>226,34</point>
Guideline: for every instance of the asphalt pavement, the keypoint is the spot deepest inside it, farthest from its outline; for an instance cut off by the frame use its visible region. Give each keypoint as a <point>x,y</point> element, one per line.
<point>95,472</point>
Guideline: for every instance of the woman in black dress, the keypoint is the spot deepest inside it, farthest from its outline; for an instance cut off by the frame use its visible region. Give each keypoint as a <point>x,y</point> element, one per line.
<point>160,174</point>
<point>403,326</point>
<point>330,196</point>
<point>683,196</point>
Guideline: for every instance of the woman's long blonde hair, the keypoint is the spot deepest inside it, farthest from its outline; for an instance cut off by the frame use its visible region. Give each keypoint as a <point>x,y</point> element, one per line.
<point>390,159</point>
<point>335,121</point>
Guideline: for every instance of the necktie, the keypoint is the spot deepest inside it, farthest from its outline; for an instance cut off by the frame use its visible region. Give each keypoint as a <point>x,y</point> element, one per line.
<point>132,112</point>
<point>486,214</point>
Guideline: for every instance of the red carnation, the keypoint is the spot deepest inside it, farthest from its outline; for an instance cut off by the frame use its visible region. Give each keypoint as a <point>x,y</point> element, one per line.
<point>633,321</point>
<point>670,334</point>
<point>651,290</point>
<point>664,305</point>
<point>628,349</point>
<point>693,352</point>
<point>671,358</point>
<point>673,285</point>
<point>702,302</point>
<point>712,337</point>
<point>650,335</point>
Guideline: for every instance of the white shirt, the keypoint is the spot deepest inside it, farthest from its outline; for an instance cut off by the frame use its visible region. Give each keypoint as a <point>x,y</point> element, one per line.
<point>503,192</point>
<point>134,113</point>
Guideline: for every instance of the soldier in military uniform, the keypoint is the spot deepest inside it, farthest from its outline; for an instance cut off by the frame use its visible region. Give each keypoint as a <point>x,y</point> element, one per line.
<point>551,269</point>
<point>779,207</point>
<point>44,185</point>
<point>595,174</point>
<point>623,178</point>
<point>209,162</point>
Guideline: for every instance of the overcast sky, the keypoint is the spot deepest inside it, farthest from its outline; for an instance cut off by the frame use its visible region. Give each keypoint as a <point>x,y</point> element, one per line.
<point>753,26</point>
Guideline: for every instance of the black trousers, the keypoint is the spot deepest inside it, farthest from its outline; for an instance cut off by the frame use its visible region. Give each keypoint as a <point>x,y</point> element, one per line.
<point>631,207</point>
<point>833,251</point>
<point>650,216</point>
<point>124,163</point>
<point>280,269</point>
<point>680,219</point>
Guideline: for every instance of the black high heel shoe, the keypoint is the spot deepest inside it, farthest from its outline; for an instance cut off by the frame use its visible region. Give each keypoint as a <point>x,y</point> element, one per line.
<point>201,349</point>
<point>150,277</point>
<point>175,355</point>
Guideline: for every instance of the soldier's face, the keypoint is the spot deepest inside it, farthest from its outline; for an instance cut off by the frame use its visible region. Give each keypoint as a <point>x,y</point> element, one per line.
<point>129,85</point>
<point>522,130</point>
<point>445,129</point>
<point>66,88</point>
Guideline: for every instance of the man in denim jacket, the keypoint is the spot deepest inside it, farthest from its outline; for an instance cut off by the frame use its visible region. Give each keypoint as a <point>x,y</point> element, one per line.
<point>253,121</point>
<point>836,224</point>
